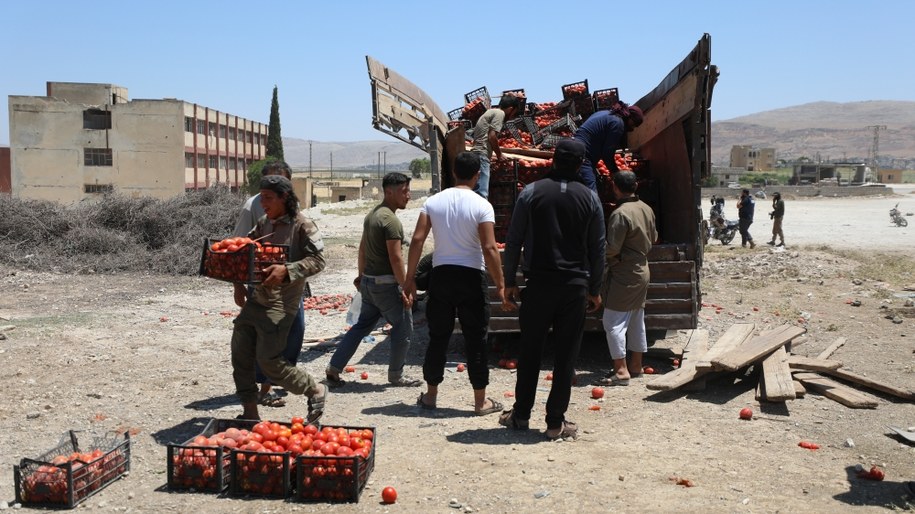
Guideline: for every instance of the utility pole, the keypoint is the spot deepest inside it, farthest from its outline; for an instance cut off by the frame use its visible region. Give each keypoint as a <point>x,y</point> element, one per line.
<point>384,157</point>
<point>876,146</point>
<point>309,159</point>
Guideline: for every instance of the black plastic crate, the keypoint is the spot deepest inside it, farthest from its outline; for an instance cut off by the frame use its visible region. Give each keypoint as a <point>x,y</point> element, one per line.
<point>455,114</point>
<point>465,124</point>
<point>520,125</point>
<point>582,106</point>
<point>480,92</point>
<point>243,266</point>
<point>202,468</point>
<point>73,471</point>
<point>264,474</point>
<point>605,98</point>
<point>334,478</point>
<point>563,127</point>
<point>575,89</point>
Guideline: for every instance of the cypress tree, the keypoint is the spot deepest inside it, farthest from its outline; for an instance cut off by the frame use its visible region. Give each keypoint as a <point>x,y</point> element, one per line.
<point>274,138</point>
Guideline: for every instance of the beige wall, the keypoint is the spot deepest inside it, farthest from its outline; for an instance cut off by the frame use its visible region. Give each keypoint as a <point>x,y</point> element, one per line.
<point>88,94</point>
<point>752,158</point>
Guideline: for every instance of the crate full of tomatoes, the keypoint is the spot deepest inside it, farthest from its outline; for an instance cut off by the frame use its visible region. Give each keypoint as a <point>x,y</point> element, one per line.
<point>240,259</point>
<point>78,467</point>
<point>337,466</point>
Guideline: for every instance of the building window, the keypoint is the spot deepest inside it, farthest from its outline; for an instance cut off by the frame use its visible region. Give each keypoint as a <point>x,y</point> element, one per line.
<point>188,124</point>
<point>96,119</point>
<point>212,129</point>
<point>189,160</point>
<point>222,131</point>
<point>241,135</point>
<point>213,161</point>
<point>250,137</point>
<point>257,138</point>
<point>231,133</point>
<point>222,163</point>
<point>201,160</point>
<point>201,127</point>
<point>97,156</point>
<point>233,162</point>
<point>98,188</point>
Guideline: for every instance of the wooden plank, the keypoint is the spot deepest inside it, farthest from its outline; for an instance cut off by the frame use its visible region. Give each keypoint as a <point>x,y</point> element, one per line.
<point>831,348</point>
<point>810,364</point>
<point>775,384</point>
<point>670,271</point>
<point>732,338</point>
<point>759,347</point>
<point>872,384</point>
<point>695,348</point>
<point>836,391</point>
<point>799,390</point>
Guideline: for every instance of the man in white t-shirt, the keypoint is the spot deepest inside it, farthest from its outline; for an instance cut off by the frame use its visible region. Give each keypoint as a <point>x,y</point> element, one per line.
<point>462,225</point>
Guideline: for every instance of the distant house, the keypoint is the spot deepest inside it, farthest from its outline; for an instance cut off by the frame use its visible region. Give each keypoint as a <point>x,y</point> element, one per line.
<point>82,140</point>
<point>836,172</point>
<point>884,176</point>
<point>724,176</point>
<point>752,158</point>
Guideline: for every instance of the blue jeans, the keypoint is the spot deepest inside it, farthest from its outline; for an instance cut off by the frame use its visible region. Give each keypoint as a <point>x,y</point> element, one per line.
<point>482,187</point>
<point>380,298</point>
<point>293,344</point>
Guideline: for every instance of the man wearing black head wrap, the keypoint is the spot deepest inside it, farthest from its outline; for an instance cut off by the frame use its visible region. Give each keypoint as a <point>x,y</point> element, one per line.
<point>778,212</point>
<point>603,133</point>
<point>559,223</point>
<point>262,326</point>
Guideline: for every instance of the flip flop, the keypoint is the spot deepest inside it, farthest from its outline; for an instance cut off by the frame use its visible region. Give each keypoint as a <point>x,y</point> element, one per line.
<point>271,399</point>
<point>316,405</point>
<point>495,407</point>
<point>508,419</point>
<point>423,404</point>
<point>612,380</point>
<point>568,430</point>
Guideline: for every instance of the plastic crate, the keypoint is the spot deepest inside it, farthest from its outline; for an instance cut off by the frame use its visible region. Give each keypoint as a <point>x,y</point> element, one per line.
<point>605,98</point>
<point>453,124</point>
<point>455,114</point>
<point>202,468</point>
<point>575,89</point>
<point>562,128</point>
<point>264,474</point>
<point>480,92</point>
<point>243,266</point>
<point>473,110</point>
<point>582,106</point>
<point>522,124</point>
<point>58,478</point>
<point>334,478</point>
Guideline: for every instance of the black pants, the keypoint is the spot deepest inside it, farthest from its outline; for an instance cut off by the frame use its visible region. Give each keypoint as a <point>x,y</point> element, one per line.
<point>457,290</point>
<point>543,306</point>
<point>744,225</point>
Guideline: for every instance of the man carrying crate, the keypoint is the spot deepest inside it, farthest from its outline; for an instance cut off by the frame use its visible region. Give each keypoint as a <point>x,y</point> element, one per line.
<point>486,136</point>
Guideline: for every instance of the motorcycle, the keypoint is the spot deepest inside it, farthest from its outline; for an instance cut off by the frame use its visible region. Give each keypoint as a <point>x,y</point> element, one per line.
<point>719,227</point>
<point>897,217</point>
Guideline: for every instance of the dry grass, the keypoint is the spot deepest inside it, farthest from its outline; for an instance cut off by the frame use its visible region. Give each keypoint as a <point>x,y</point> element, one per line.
<point>116,233</point>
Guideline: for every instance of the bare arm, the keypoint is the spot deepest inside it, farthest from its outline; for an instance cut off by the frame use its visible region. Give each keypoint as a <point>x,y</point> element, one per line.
<point>493,261</point>
<point>360,262</point>
<point>420,233</point>
<point>395,255</point>
<point>494,143</point>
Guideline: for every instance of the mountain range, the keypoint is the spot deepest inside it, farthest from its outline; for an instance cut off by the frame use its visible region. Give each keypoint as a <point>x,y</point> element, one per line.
<point>818,130</point>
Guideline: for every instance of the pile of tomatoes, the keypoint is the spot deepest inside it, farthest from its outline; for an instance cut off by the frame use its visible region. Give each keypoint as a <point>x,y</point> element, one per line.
<point>328,302</point>
<point>229,259</point>
<point>473,110</point>
<point>574,90</point>
<point>48,483</point>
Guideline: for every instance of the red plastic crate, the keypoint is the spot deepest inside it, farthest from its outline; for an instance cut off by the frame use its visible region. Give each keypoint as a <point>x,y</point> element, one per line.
<point>59,478</point>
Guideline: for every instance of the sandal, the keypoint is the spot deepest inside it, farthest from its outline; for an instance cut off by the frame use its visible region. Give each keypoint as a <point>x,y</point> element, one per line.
<point>333,379</point>
<point>494,407</point>
<point>405,382</point>
<point>611,380</point>
<point>508,419</point>
<point>568,430</point>
<point>243,418</point>
<point>271,399</point>
<point>422,403</point>
<point>316,405</point>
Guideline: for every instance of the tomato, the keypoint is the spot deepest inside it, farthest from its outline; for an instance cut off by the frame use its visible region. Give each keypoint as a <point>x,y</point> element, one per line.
<point>594,407</point>
<point>503,363</point>
<point>365,375</point>
<point>460,367</point>
<point>511,364</point>
<point>597,393</point>
<point>648,370</point>
<point>350,369</point>
<point>808,445</point>
<point>676,363</point>
<point>389,495</point>
<point>311,430</point>
<point>746,413</point>
<point>297,419</point>
<point>549,376</point>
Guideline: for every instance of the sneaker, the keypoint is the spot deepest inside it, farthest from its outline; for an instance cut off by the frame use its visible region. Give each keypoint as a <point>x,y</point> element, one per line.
<point>752,245</point>
<point>771,243</point>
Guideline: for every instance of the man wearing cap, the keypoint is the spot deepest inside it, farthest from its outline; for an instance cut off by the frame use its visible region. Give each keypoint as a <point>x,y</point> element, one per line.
<point>559,224</point>
<point>603,133</point>
<point>262,327</point>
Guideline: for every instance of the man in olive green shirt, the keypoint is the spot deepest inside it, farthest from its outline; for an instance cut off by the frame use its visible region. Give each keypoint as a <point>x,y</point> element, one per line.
<point>380,283</point>
<point>486,136</point>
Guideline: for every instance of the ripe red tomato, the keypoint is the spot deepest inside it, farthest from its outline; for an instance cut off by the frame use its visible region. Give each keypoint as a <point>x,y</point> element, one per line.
<point>746,413</point>
<point>350,369</point>
<point>511,364</point>
<point>549,376</point>
<point>297,419</point>
<point>365,375</point>
<point>676,363</point>
<point>648,370</point>
<point>389,495</point>
<point>460,367</point>
<point>503,363</point>
<point>597,393</point>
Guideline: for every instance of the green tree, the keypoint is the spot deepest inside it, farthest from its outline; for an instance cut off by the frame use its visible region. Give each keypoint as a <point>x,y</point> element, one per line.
<point>255,174</point>
<point>274,137</point>
<point>420,166</point>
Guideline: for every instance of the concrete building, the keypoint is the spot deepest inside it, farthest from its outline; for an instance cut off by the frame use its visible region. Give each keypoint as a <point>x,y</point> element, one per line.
<point>82,140</point>
<point>839,173</point>
<point>752,158</point>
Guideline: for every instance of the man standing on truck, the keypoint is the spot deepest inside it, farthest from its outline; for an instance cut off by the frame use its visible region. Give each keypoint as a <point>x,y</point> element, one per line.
<point>745,207</point>
<point>462,224</point>
<point>486,136</point>
<point>630,233</point>
<point>603,133</point>
<point>380,284</point>
<point>559,223</point>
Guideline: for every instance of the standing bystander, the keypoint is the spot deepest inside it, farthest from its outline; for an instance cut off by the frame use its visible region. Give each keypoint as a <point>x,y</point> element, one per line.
<point>559,223</point>
<point>380,283</point>
<point>778,212</point>
<point>630,233</point>
<point>462,224</point>
<point>745,207</point>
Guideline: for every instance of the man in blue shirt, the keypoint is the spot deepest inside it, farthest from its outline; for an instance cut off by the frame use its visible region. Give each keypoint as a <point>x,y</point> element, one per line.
<point>745,207</point>
<point>603,134</point>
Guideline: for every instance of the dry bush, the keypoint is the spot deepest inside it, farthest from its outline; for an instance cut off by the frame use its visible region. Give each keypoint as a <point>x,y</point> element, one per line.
<point>116,233</point>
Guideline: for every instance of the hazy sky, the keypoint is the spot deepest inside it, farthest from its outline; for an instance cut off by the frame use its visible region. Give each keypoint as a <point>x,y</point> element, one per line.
<point>228,55</point>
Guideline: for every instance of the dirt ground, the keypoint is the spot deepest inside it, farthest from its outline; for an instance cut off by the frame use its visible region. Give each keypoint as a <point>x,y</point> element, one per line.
<point>150,354</point>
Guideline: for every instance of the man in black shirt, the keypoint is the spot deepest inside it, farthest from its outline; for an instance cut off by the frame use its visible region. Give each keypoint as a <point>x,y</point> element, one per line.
<point>560,225</point>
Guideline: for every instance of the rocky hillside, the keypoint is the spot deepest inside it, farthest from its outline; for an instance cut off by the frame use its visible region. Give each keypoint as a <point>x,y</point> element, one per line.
<point>350,154</point>
<point>833,130</point>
